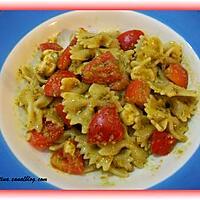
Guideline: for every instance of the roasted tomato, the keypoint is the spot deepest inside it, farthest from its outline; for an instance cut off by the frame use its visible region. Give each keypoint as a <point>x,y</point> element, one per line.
<point>52,87</point>
<point>128,39</point>
<point>105,127</point>
<point>177,74</point>
<point>162,143</point>
<point>102,69</point>
<point>137,92</point>
<point>48,136</point>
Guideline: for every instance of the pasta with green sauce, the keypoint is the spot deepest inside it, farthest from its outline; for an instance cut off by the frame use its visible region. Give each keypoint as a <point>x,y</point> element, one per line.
<point>107,101</point>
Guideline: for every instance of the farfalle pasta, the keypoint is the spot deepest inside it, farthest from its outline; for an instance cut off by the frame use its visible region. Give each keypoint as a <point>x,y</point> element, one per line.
<point>106,102</point>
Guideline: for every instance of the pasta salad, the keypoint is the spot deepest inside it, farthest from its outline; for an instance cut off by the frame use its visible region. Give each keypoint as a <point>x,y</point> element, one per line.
<point>107,101</point>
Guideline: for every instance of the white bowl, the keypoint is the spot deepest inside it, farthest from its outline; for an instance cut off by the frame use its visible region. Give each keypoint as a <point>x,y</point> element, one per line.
<point>37,162</point>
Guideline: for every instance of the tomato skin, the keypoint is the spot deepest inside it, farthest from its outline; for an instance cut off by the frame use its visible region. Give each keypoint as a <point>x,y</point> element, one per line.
<point>50,46</point>
<point>128,39</point>
<point>162,143</point>
<point>68,163</point>
<point>59,109</point>
<point>52,87</point>
<point>64,60</point>
<point>137,92</point>
<point>102,69</point>
<point>50,134</point>
<point>177,74</point>
<point>105,127</point>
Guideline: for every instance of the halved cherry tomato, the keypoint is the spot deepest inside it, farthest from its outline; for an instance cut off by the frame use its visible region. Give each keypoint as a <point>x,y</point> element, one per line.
<point>68,163</point>
<point>59,109</point>
<point>162,143</point>
<point>121,84</point>
<point>64,60</point>
<point>73,42</point>
<point>52,87</point>
<point>128,39</point>
<point>102,69</point>
<point>48,136</point>
<point>137,92</point>
<point>177,74</point>
<point>51,46</point>
<point>105,126</point>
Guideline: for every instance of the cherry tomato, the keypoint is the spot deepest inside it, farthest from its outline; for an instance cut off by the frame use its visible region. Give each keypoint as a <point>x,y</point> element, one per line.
<point>68,163</point>
<point>137,92</point>
<point>102,69</point>
<point>64,60</point>
<point>50,46</point>
<point>177,74</point>
<point>52,87</point>
<point>47,137</point>
<point>105,127</point>
<point>73,42</point>
<point>162,143</point>
<point>121,84</point>
<point>59,109</point>
<point>128,39</point>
